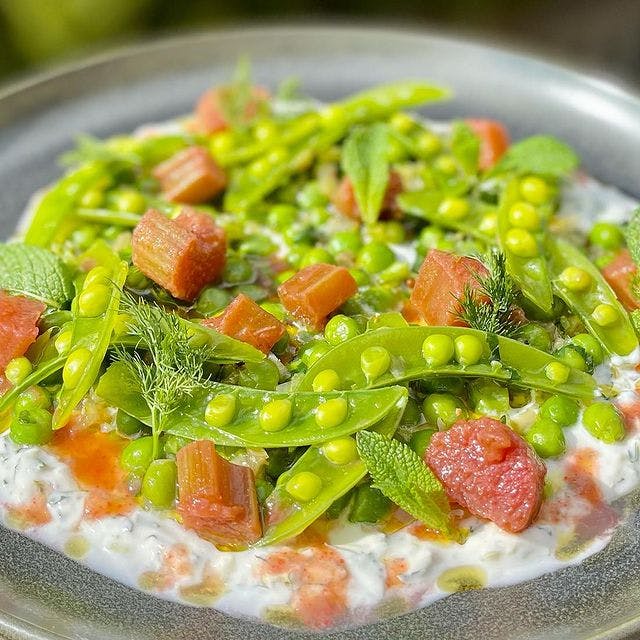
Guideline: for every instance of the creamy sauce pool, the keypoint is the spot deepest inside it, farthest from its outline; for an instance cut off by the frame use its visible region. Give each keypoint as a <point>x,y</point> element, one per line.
<point>334,573</point>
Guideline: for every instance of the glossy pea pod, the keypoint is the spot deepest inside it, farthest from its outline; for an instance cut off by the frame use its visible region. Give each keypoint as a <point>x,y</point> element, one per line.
<point>478,220</point>
<point>524,250</point>
<point>400,352</point>
<point>581,285</point>
<point>58,205</point>
<point>127,219</point>
<point>241,417</point>
<point>95,309</point>
<point>327,478</point>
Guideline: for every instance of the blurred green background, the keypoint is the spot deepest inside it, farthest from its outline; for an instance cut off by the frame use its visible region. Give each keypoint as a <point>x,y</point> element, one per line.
<point>601,35</point>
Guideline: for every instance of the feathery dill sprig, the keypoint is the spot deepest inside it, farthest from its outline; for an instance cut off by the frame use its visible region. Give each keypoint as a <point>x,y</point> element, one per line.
<point>490,307</point>
<point>171,369</point>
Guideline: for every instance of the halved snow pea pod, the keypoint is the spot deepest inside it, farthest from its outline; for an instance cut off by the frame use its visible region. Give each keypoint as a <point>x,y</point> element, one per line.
<point>580,284</point>
<point>95,309</point>
<point>521,231</point>
<point>322,475</point>
<point>392,356</point>
<point>238,416</point>
<point>473,218</point>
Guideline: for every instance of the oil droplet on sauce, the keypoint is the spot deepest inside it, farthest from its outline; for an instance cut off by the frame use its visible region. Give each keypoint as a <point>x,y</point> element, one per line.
<point>462,578</point>
<point>93,458</point>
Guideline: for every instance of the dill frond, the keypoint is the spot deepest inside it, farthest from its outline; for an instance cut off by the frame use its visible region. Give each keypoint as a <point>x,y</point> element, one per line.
<point>491,306</point>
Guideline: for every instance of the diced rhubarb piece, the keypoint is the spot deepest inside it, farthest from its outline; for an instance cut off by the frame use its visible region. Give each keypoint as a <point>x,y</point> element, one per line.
<point>441,283</point>
<point>181,255</point>
<point>217,499</point>
<point>489,470</point>
<point>316,291</point>
<point>494,140</point>
<point>210,112</point>
<point>344,200</point>
<point>244,320</point>
<point>18,325</point>
<point>619,273</point>
<point>190,176</point>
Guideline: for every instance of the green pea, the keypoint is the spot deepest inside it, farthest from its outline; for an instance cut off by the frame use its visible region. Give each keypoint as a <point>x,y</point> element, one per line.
<point>212,300</point>
<point>590,346</point>
<point>489,223</point>
<point>437,350</point>
<point>602,421</point>
<point>92,199</point>
<point>222,142</point>
<point>369,505</point>
<point>32,397</point>
<point>536,335</point>
<point>562,410</point>
<point>340,451</point>
<point>420,440</point>
<point>523,215</point>
<point>402,122</point>
<point>238,271</point>
<point>304,486</point>
<point>318,216</point>
<point>374,361</point>
<point>360,277</point>
<point>129,200</point>
<point>137,455</point>
<point>489,398</point>
<point>325,381</point>
<point>317,255</point>
<point>557,372</point>
<point>127,425</point>
<point>521,243</point>
<point>575,279</point>
<point>574,358</point>
<point>257,245</point>
<point>331,413</point>
<point>311,196</point>
<point>275,415</point>
<point>454,208</point>
<point>31,426</point>
<point>605,315</point>
<point>374,257</point>
<point>396,273</point>
<point>606,235</point>
<point>84,236</point>
<point>442,409</point>
<point>97,275</point>
<point>221,410</point>
<point>430,238</point>
<point>447,165</point>
<point>387,232</point>
<point>17,370</point>
<point>546,438</point>
<point>282,216</point>
<point>93,300</point>
<point>63,341</point>
<point>75,366</point>
<point>345,242</point>
<point>314,351</point>
<point>428,144</point>
<point>339,329</point>
<point>535,190</point>
<point>136,279</point>
<point>159,484</point>
<point>468,350</point>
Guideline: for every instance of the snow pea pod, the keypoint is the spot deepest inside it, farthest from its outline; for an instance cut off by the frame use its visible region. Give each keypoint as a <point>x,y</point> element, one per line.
<point>428,205</point>
<point>95,309</point>
<point>237,416</point>
<point>500,358</point>
<point>288,515</point>
<point>581,285</point>
<point>524,252</point>
<point>107,216</point>
<point>60,201</point>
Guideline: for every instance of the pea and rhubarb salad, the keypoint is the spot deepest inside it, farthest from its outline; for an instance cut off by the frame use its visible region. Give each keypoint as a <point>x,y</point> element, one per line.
<point>318,364</point>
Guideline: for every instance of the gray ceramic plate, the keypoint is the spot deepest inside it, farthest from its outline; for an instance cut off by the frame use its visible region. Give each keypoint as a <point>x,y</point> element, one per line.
<point>44,595</point>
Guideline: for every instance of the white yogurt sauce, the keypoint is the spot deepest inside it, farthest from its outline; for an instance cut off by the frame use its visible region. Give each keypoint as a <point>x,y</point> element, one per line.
<point>149,550</point>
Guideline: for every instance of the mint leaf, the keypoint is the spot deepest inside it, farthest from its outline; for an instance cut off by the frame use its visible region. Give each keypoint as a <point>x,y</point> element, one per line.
<point>541,155</point>
<point>465,147</point>
<point>403,477</point>
<point>632,236</point>
<point>36,273</point>
<point>364,161</point>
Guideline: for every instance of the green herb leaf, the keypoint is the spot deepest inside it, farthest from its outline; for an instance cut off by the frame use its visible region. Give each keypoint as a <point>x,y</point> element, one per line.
<point>541,155</point>
<point>235,97</point>
<point>36,273</point>
<point>632,236</point>
<point>403,477</point>
<point>465,147</point>
<point>364,161</point>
